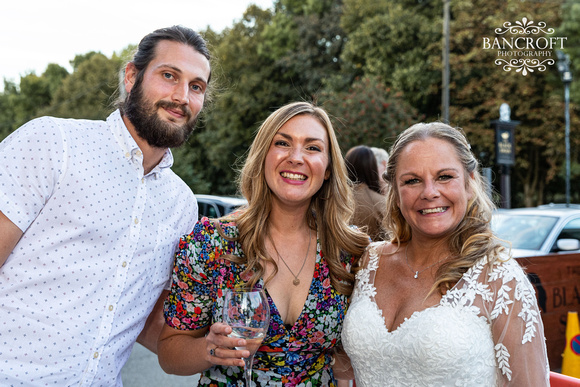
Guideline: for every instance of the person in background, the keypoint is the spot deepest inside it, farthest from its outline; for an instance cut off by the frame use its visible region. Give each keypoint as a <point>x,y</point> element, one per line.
<point>442,303</point>
<point>88,226</point>
<point>382,157</point>
<point>293,239</point>
<point>370,204</point>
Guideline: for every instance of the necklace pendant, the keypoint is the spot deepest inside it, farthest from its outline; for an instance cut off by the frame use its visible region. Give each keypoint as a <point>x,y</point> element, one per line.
<point>296,282</point>
<point>416,274</point>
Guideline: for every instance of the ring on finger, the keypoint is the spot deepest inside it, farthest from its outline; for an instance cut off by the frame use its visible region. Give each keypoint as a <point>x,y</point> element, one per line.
<point>212,352</point>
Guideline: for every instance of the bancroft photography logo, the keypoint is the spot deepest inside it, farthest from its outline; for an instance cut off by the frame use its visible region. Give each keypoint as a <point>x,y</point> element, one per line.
<point>524,46</point>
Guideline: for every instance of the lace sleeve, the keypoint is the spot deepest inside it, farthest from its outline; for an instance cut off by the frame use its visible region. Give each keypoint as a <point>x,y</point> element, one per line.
<point>365,278</point>
<point>517,328</point>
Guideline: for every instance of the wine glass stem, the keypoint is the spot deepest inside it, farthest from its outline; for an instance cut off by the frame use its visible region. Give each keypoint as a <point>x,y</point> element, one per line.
<point>248,370</point>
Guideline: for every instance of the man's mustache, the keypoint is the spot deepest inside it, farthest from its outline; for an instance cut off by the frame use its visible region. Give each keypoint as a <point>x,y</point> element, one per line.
<point>185,110</point>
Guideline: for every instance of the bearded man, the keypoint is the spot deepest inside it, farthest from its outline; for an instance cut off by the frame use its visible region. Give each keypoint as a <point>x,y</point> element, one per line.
<point>90,215</point>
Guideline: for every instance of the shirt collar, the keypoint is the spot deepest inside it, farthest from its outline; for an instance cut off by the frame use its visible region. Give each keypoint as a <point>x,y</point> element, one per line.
<point>129,145</point>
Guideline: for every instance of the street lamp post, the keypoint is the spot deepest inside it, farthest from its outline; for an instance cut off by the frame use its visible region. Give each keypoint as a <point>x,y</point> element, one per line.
<point>564,69</point>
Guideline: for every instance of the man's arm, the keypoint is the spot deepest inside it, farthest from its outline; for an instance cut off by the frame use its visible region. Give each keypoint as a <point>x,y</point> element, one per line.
<point>10,234</point>
<point>150,333</point>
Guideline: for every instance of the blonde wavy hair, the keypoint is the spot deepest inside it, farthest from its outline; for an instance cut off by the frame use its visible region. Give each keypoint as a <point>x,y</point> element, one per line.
<point>329,212</point>
<point>473,238</point>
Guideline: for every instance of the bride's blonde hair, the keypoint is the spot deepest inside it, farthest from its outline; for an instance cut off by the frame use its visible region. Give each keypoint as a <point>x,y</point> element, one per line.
<point>473,238</point>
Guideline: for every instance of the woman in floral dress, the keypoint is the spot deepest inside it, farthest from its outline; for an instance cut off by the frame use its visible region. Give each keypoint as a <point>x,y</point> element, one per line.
<point>293,240</point>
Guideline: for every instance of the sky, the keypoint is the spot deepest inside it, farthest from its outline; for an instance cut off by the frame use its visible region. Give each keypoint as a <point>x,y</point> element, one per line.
<point>34,33</point>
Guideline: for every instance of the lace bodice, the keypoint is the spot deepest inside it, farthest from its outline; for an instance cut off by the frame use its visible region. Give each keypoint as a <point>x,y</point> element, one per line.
<point>483,332</point>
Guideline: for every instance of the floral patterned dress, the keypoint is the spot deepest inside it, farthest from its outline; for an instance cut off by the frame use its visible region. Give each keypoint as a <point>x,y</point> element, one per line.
<point>291,356</point>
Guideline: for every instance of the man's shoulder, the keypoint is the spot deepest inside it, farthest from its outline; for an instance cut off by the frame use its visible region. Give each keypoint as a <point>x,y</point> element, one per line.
<point>65,122</point>
<point>54,132</point>
<point>67,127</point>
<point>177,182</point>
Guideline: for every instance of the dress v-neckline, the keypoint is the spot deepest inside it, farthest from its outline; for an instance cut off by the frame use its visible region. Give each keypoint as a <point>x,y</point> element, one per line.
<point>274,308</point>
<point>374,263</point>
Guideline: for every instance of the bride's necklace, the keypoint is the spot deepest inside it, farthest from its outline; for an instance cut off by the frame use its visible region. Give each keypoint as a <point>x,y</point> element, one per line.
<point>417,272</point>
<point>296,281</point>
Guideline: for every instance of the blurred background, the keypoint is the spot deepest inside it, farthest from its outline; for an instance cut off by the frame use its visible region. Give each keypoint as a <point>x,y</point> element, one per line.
<point>376,66</point>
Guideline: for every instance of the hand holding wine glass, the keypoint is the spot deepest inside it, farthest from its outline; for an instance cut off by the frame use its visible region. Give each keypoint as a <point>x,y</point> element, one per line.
<point>247,312</point>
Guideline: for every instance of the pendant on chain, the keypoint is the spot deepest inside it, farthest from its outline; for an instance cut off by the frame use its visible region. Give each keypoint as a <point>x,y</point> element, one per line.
<point>296,281</point>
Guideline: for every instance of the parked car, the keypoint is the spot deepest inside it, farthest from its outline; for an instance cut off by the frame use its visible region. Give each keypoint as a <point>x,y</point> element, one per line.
<point>547,229</point>
<point>214,206</point>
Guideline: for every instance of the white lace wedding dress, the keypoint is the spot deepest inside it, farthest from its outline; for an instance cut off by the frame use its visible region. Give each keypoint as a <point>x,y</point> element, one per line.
<point>486,331</point>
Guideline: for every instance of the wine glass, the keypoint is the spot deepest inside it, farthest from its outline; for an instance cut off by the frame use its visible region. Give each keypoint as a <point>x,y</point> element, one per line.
<point>247,312</point>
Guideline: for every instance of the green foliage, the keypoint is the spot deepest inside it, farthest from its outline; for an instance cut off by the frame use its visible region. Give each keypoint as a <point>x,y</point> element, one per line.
<point>126,54</point>
<point>87,92</point>
<point>405,55</point>
<point>259,80</point>
<point>316,55</point>
<point>19,105</point>
<point>279,37</point>
<point>374,65</point>
<point>76,62</point>
<point>54,75</point>
<point>245,88</point>
<point>570,28</point>
<point>7,109</point>
<point>369,114</point>
<point>184,160</point>
<point>479,87</point>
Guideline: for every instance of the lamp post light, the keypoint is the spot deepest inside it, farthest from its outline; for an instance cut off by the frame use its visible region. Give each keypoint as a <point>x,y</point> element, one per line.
<point>564,69</point>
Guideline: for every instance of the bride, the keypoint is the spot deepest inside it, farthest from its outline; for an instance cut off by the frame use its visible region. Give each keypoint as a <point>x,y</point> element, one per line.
<point>442,303</point>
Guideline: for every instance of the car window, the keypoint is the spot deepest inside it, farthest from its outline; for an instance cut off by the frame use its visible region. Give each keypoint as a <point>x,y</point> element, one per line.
<point>571,230</point>
<point>523,231</point>
<point>206,209</point>
<point>201,209</point>
<point>212,212</point>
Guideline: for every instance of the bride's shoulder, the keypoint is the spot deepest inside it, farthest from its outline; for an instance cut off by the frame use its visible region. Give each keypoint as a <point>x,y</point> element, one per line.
<point>382,248</point>
<point>377,251</point>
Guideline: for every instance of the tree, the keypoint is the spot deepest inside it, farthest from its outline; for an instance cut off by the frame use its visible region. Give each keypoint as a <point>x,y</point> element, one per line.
<point>369,114</point>
<point>245,88</point>
<point>78,59</point>
<point>21,104</point>
<point>570,28</point>
<point>262,65</point>
<point>478,87</point>
<point>87,93</point>
<point>398,41</point>
<point>401,42</point>
<point>307,46</point>
<point>7,111</point>
<point>54,75</point>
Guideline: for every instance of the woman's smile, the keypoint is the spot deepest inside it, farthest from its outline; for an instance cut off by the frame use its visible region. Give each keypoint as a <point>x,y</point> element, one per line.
<point>297,161</point>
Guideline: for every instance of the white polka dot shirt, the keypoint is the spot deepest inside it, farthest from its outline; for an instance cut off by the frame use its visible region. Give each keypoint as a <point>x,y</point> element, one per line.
<point>97,250</point>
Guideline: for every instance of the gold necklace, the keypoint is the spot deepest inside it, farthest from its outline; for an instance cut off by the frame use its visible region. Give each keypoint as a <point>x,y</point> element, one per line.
<point>417,272</point>
<point>296,281</point>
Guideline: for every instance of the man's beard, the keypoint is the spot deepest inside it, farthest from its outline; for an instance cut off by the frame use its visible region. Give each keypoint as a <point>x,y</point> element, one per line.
<point>150,127</point>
